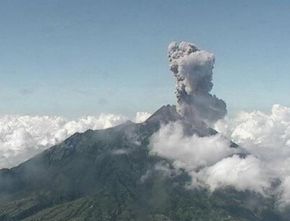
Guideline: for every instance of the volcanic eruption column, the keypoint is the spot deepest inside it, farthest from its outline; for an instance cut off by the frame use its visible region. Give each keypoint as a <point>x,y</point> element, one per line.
<point>192,69</point>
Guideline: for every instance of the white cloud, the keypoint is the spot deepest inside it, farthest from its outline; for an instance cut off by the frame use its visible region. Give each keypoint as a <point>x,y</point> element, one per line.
<point>189,152</point>
<point>210,161</point>
<point>242,173</point>
<point>265,135</point>
<point>21,137</point>
<point>142,116</point>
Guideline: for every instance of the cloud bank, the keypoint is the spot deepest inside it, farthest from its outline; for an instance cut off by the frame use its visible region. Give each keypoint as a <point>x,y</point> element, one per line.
<point>170,142</point>
<point>212,163</point>
<point>21,137</point>
<point>210,160</point>
<point>266,136</point>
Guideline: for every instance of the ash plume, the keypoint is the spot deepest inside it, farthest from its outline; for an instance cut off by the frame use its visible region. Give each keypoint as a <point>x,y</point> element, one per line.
<point>192,69</point>
<point>210,160</point>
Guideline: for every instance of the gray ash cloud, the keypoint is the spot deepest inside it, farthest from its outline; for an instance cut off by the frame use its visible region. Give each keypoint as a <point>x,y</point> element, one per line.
<point>193,70</point>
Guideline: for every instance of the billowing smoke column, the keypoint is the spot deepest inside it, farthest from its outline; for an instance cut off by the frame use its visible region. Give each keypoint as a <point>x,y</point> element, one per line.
<point>192,69</point>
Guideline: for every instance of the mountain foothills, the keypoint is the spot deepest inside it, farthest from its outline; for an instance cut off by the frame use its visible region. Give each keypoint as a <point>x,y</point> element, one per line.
<point>111,174</point>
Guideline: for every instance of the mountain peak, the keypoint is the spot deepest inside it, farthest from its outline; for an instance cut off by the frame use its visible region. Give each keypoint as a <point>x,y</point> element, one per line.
<point>165,114</point>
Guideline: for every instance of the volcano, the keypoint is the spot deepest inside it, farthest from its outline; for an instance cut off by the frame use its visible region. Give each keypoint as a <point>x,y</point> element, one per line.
<point>110,175</point>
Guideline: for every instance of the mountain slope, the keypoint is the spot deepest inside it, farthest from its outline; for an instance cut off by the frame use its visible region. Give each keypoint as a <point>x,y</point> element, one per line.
<point>110,175</point>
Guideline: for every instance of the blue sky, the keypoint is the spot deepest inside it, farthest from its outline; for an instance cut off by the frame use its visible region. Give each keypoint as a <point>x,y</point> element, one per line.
<point>73,58</point>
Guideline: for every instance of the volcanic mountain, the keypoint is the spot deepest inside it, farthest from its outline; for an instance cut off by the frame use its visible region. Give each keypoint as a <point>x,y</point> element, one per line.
<point>110,175</point>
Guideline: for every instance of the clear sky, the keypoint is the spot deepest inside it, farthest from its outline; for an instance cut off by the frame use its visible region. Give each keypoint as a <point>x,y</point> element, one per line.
<point>73,58</point>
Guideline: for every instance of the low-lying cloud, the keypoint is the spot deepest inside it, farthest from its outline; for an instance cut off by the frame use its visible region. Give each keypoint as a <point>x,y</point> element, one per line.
<point>212,163</point>
<point>21,137</point>
<point>190,152</point>
<point>266,136</point>
<point>241,173</point>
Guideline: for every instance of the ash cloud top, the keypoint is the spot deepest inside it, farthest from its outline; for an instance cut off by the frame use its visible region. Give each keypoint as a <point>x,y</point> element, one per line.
<point>193,70</point>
